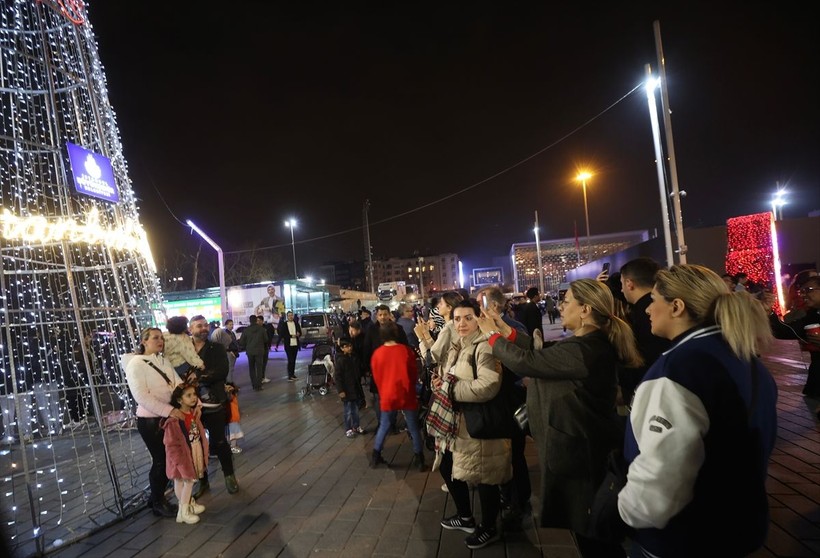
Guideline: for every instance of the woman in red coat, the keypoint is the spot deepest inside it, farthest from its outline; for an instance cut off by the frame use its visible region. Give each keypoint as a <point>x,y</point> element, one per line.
<point>185,451</point>
<point>396,374</point>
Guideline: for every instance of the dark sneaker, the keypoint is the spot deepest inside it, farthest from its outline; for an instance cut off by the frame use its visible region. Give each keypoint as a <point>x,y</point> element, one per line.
<point>482,537</point>
<point>456,522</point>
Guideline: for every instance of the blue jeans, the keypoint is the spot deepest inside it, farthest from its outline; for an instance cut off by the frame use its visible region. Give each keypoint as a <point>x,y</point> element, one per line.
<point>351,414</point>
<point>411,417</point>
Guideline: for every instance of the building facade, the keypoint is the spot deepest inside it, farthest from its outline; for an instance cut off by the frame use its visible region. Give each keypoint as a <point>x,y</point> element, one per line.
<point>430,273</point>
<point>562,255</point>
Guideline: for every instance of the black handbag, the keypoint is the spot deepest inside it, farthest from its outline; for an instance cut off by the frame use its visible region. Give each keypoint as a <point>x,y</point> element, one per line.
<point>605,521</point>
<point>491,419</point>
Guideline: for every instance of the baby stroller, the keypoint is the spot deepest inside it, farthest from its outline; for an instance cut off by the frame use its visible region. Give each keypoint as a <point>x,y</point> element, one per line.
<point>320,370</point>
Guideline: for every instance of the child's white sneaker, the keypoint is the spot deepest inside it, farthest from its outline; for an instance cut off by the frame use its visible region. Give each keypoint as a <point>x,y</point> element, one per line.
<point>236,449</point>
<point>350,433</point>
<point>360,430</point>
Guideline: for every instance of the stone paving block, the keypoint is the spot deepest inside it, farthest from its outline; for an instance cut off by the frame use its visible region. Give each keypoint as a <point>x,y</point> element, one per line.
<point>301,544</point>
<point>360,545</point>
<point>335,536</point>
<point>422,548</point>
<point>390,546</point>
<point>372,522</point>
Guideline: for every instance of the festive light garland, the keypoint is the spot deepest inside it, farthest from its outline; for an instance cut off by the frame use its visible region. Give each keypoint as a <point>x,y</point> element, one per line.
<point>77,284</point>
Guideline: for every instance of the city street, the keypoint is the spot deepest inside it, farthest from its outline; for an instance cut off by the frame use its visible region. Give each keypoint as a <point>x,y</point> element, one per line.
<point>306,490</point>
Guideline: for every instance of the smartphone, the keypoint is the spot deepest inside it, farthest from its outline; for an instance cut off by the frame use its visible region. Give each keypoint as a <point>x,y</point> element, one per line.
<point>605,269</point>
<point>484,301</point>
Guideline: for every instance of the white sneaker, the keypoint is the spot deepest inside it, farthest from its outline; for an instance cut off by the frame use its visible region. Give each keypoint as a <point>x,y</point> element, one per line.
<point>444,488</point>
<point>350,433</point>
<point>236,449</point>
<point>265,381</point>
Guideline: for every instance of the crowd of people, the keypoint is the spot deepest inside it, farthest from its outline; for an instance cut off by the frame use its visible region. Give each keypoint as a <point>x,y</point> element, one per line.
<point>660,368</point>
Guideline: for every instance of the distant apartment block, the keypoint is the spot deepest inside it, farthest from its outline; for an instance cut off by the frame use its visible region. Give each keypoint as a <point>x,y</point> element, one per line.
<point>437,273</point>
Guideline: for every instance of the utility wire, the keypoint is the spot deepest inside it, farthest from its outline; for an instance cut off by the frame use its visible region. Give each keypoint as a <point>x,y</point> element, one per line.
<point>444,198</point>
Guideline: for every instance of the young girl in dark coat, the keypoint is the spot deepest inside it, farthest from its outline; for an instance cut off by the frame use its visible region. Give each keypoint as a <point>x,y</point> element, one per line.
<point>185,451</point>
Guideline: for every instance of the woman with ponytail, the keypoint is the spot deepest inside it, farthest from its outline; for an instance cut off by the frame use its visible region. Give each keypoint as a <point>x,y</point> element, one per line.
<point>571,402</point>
<point>703,424</point>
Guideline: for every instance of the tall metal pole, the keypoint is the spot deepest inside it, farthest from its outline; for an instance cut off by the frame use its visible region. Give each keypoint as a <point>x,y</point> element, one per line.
<point>670,146</point>
<point>586,216</point>
<point>656,135</point>
<point>223,298</point>
<point>538,253</point>
<point>421,278</point>
<point>367,248</point>
<point>293,246</point>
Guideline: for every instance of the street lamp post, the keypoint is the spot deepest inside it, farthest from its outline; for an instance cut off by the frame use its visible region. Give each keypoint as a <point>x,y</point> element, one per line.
<point>421,278</point>
<point>223,299</point>
<point>778,201</point>
<point>583,176</point>
<point>291,224</point>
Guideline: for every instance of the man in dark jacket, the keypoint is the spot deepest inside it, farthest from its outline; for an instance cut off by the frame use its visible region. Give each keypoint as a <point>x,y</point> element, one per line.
<point>214,400</point>
<point>254,342</point>
<point>637,280</point>
<point>530,314</point>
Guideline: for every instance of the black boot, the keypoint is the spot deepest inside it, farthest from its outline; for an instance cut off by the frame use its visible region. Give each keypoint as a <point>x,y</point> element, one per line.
<point>201,488</point>
<point>164,509</point>
<point>376,459</point>
<point>418,461</point>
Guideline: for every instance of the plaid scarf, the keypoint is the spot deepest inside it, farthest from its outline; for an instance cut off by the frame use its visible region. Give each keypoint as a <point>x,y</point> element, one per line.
<point>441,418</point>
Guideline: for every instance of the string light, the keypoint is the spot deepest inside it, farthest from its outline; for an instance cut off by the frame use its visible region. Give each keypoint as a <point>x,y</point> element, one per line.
<point>751,242</point>
<point>78,283</point>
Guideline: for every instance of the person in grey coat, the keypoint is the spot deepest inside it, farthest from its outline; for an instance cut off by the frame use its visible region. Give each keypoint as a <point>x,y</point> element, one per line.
<point>254,342</point>
<point>571,402</point>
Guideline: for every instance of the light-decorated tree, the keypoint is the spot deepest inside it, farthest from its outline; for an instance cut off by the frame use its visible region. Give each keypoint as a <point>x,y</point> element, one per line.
<point>78,283</point>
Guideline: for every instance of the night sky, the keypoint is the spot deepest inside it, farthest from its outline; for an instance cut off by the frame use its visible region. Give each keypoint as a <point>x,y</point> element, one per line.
<point>456,122</point>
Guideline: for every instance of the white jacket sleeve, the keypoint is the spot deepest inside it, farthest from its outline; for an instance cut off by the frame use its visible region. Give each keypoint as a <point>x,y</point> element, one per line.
<point>669,423</point>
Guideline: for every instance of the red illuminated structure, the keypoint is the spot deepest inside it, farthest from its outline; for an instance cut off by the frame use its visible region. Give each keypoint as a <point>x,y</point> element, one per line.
<point>752,249</point>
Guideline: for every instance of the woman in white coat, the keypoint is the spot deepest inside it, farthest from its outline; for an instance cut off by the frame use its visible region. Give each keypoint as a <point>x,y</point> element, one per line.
<point>152,380</point>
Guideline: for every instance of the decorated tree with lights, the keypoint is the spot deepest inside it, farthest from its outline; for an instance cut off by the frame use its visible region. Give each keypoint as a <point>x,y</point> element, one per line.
<point>78,283</point>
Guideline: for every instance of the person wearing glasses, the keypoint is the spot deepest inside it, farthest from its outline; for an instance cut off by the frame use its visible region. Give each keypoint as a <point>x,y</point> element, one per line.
<point>803,323</point>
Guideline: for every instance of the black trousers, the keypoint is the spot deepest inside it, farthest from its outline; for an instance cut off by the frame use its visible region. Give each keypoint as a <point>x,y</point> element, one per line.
<point>256,370</point>
<point>518,490</point>
<point>291,351</point>
<point>488,494</point>
<point>214,422</point>
<point>152,435</point>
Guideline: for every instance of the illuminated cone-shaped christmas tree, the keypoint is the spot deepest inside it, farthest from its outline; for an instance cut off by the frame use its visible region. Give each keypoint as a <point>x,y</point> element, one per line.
<point>77,283</point>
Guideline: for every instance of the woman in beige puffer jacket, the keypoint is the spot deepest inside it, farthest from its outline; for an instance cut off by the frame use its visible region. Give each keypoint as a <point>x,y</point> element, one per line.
<point>485,463</point>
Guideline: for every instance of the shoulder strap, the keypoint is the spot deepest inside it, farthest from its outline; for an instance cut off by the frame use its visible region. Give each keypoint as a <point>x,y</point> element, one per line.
<point>473,362</point>
<point>161,373</point>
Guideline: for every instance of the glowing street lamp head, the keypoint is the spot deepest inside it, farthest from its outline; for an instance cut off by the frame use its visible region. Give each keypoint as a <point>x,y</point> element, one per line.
<point>583,175</point>
<point>290,223</point>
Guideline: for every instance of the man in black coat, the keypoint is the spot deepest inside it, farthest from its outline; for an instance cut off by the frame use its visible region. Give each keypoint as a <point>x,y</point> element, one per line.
<point>530,314</point>
<point>254,342</point>
<point>637,280</point>
<point>372,341</point>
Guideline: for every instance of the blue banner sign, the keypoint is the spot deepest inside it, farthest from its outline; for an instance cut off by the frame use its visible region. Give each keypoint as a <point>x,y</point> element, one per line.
<point>93,174</point>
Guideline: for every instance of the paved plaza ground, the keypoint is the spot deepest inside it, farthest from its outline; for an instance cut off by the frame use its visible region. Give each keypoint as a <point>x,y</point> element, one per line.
<point>306,490</point>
